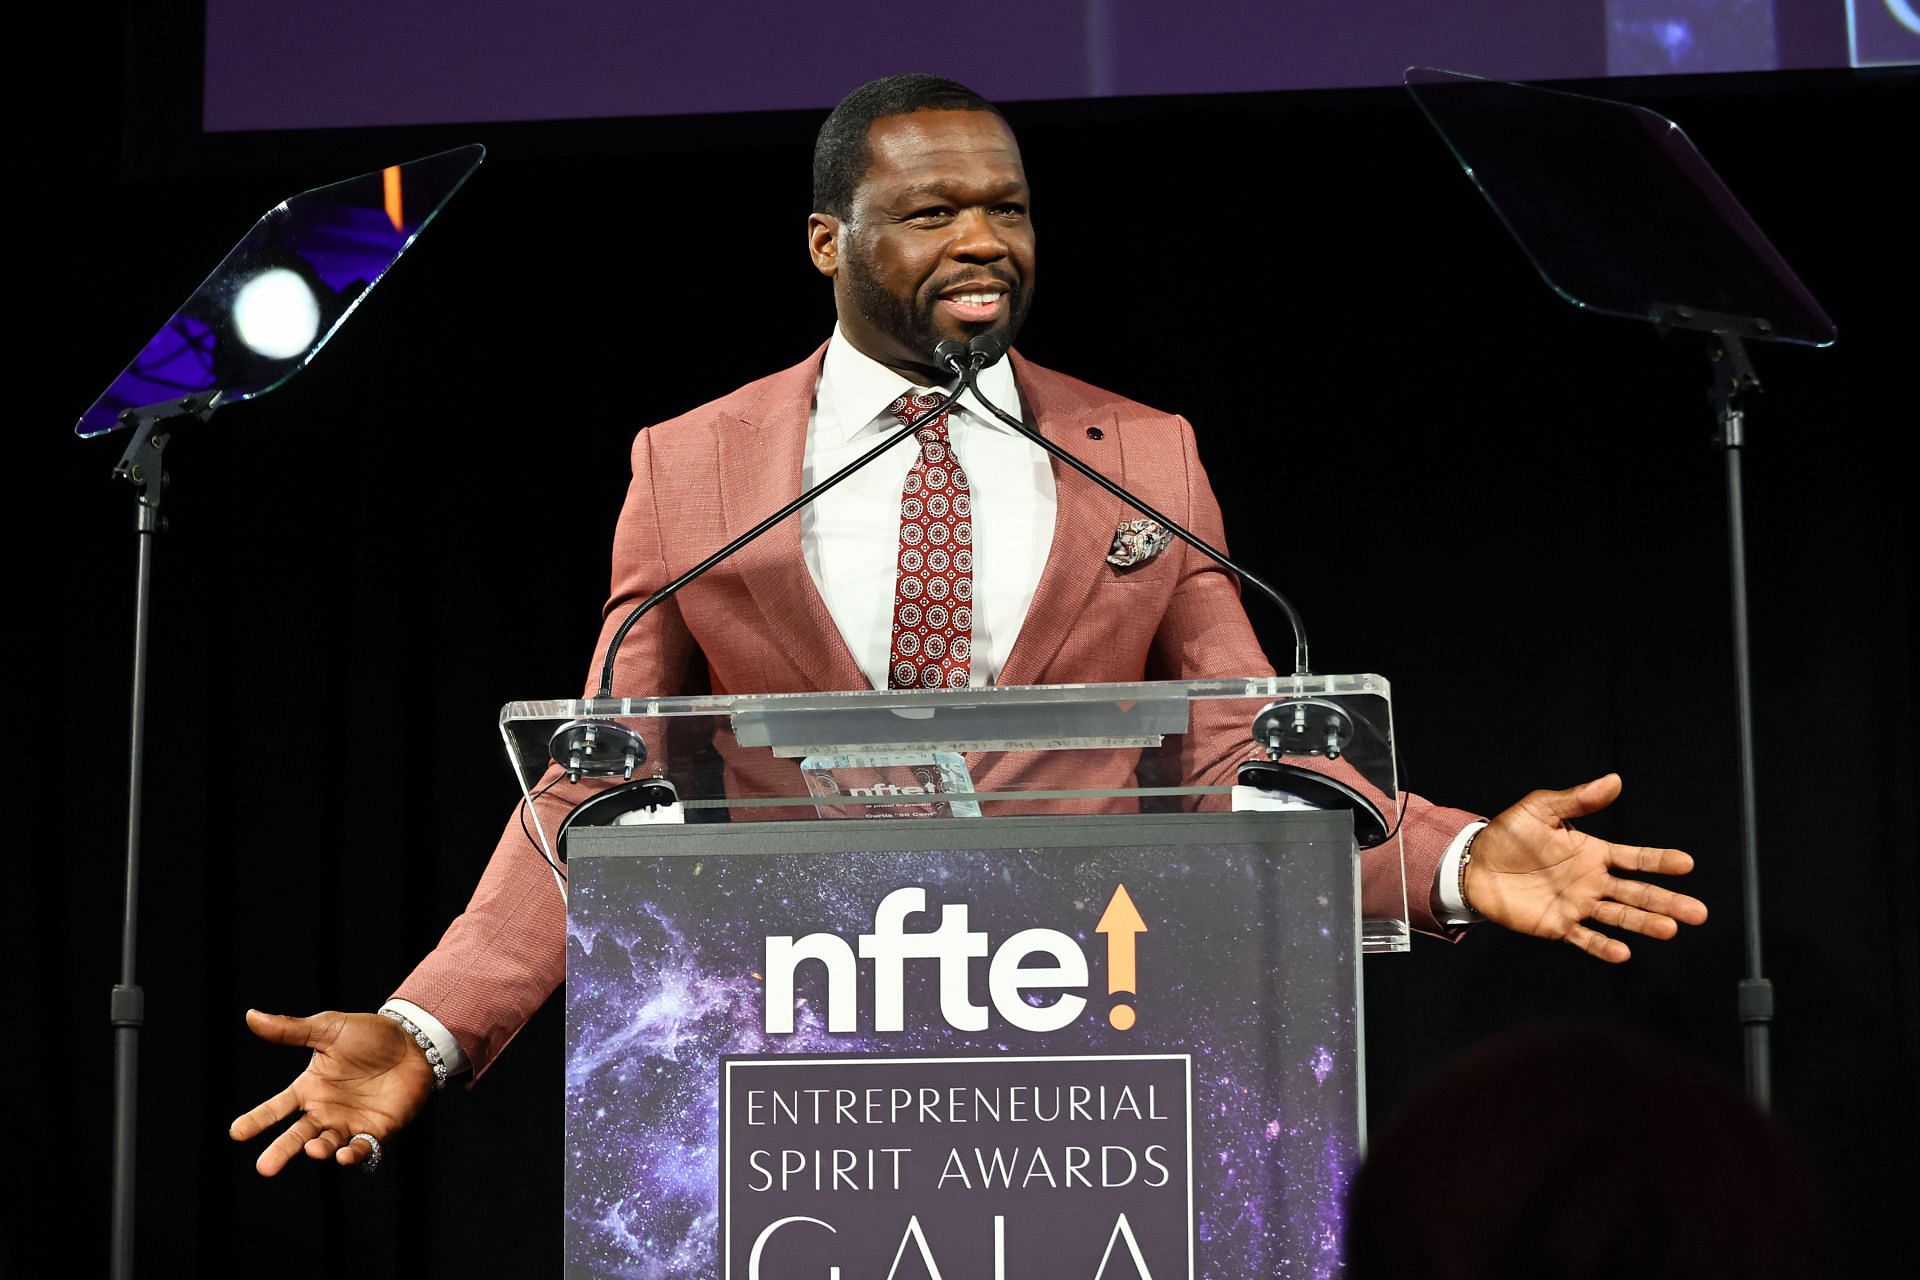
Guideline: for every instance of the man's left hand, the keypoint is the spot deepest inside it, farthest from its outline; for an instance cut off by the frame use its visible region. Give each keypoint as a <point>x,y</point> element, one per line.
<point>1533,873</point>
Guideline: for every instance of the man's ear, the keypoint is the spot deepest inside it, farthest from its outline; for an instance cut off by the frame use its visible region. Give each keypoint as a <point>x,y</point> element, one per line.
<point>823,243</point>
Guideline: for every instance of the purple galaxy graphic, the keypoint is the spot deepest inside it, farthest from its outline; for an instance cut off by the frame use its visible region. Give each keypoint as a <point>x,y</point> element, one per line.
<point>1245,970</point>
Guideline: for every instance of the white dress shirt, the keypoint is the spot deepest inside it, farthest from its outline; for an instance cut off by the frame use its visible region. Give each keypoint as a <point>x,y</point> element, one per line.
<point>850,535</point>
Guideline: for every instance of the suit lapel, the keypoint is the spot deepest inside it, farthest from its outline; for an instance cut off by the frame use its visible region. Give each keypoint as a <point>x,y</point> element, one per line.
<point>760,466</point>
<point>1084,521</point>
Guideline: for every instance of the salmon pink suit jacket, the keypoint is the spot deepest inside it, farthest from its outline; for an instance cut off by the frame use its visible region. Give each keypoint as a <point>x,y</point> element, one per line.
<point>756,623</point>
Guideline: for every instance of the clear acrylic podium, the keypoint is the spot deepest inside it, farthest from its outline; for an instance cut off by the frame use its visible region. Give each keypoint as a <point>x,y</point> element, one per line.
<point>1086,1013</point>
<point>1059,750</point>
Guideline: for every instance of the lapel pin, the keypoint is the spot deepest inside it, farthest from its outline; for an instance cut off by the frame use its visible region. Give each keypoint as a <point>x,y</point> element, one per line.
<point>1138,541</point>
<point>1095,433</point>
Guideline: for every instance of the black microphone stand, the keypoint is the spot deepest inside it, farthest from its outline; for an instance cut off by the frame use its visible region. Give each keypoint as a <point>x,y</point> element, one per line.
<point>986,350</point>
<point>142,466</point>
<point>1293,726</point>
<point>600,748</point>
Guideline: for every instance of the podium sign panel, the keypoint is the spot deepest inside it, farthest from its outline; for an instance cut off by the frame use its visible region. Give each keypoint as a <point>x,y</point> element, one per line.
<point>1085,1048</point>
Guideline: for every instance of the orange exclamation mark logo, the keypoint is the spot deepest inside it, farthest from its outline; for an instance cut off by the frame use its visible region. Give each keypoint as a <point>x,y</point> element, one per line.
<point>1121,923</point>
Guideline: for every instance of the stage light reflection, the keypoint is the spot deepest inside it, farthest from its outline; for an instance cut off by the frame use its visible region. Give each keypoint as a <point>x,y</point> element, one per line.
<point>276,314</point>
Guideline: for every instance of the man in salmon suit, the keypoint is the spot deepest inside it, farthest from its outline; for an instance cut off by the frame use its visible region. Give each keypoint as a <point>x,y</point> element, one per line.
<point>965,557</point>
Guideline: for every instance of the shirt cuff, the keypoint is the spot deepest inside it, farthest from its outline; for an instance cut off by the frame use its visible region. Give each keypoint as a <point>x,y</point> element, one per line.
<point>1448,905</point>
<point>451,1054</point>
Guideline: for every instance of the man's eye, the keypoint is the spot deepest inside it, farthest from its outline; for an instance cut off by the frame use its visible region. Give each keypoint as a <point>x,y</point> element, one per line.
<point>936,211</point>
<point>1011,210</point>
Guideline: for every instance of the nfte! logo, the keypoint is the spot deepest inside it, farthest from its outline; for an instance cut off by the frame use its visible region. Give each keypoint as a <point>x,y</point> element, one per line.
<point>1032,960</point>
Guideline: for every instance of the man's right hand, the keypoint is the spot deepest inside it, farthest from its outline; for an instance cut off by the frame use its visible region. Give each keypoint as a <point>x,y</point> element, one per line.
<point>366,1076</point>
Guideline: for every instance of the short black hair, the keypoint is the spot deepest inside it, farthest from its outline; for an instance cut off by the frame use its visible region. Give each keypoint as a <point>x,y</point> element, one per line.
<point>841,155</point>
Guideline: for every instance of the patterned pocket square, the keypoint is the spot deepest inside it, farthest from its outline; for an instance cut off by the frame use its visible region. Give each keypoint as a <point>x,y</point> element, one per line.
<point>1138,541</point>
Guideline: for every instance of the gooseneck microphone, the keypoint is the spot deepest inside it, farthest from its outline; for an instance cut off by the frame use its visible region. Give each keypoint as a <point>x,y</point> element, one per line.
<point>604,748</point>
<point>985,351</point>
<point>1291,726</point>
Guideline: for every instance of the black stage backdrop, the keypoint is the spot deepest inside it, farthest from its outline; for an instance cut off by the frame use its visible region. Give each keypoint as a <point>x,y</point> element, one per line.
<point>1511,509</point>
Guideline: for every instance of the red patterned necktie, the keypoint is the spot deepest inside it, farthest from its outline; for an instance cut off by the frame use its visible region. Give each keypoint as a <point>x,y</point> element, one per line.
<point>933,592</point>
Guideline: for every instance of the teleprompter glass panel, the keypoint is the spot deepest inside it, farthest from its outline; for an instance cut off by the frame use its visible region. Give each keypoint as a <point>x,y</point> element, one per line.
<point>1616,208</point>
<point>280,293</point>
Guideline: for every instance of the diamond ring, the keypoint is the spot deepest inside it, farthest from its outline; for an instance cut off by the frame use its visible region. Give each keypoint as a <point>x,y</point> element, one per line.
<point>372,1161</point>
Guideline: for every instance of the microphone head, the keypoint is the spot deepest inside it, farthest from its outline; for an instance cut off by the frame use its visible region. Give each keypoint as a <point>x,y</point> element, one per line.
<point>951,354</point>
<point>986,349</point>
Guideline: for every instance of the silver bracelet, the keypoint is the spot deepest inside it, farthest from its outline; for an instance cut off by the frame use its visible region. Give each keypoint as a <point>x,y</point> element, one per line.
<point>1466,859</point>
<point>426,1044</point>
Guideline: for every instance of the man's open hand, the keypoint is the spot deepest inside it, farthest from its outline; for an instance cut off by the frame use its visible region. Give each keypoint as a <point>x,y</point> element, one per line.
<point>1533,873</point>
<point>366,1076</point>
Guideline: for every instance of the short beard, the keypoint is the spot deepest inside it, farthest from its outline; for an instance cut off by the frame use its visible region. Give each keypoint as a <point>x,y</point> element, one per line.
<point>910,322</point>
<point>890,314</point>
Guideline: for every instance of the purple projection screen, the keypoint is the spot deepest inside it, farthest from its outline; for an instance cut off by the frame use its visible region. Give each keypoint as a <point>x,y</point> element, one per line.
<point>334,63</point>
